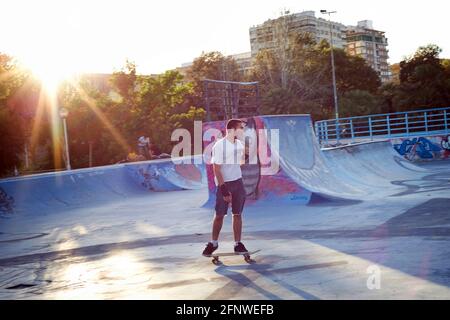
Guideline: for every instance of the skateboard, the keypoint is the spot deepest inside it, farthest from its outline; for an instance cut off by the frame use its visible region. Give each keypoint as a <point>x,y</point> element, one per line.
<point>247,256</point>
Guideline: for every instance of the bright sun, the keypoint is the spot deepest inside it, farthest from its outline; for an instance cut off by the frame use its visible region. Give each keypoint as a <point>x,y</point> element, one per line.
<point>51,70</point>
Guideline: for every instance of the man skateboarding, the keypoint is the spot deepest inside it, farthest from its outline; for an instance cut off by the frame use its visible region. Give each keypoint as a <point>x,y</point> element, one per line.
<point>228,154</point>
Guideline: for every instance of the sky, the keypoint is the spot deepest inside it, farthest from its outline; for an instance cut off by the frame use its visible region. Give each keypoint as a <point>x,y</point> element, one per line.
<point>70,36</point>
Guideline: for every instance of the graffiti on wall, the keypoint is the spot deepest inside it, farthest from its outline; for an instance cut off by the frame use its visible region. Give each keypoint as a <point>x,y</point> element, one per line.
<point>422,148</point>
<point>259,185</point>
<point>445,144</point>
<point>167,176</point>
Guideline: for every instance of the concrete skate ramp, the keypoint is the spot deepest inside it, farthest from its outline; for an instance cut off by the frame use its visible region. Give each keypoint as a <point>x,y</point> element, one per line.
<point>354,172</point>
<point>372,166</point>
<point>94,186</point>
<point>167,175</point>
<point>363,171</point>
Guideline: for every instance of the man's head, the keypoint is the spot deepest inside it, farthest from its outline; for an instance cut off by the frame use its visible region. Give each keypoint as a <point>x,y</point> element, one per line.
<point>235,127</point>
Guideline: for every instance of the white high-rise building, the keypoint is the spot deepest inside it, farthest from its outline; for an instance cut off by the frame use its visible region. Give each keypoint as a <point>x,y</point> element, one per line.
<point>264,36</point>
<point>362,40</point>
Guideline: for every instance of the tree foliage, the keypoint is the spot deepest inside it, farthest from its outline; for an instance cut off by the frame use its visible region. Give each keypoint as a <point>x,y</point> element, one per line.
<point>139,105</point>
<point>103,126</point>
<point>298,79</point>
<point>12,123</point>
<point>424,80</point>
<point>210,65</point>
<point>213,65</point>
<point>295,77</point>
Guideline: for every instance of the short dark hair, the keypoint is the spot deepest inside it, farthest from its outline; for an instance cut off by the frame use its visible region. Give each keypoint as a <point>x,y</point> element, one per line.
<point>233,123</point>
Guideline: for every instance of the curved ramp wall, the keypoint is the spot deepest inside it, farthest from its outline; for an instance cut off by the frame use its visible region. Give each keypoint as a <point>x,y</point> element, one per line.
<point>89,187</point>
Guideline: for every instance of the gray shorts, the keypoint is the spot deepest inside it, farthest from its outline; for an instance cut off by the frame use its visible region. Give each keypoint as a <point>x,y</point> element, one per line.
<point>237,198</point>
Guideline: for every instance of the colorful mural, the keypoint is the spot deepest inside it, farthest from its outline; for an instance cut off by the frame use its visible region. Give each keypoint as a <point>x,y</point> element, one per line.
<point>168,176</point>
<point>445,144</point>
<point>423,148</point>
<point>259,187</point>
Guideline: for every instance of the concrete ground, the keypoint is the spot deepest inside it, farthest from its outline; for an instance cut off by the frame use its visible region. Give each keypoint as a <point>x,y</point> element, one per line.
<point>150,248</point>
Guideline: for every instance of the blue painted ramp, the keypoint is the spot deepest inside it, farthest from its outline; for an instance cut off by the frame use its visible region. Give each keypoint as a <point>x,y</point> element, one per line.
<point>94,186</point>
<point>360,172</point>
<point>164,175</point>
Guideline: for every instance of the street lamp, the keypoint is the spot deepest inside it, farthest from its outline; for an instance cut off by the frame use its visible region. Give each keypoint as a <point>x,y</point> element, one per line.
<point>336,107</point>
<point>63,113</point>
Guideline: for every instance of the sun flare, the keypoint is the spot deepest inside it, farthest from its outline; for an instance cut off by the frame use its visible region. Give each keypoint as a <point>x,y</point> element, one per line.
<point>51,72</point>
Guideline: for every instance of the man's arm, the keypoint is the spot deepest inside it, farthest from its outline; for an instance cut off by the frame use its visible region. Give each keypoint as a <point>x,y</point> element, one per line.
<point>218,173</point>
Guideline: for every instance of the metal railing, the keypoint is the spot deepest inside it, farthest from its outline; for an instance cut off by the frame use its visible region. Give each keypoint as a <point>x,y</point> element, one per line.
<point>383,126</point>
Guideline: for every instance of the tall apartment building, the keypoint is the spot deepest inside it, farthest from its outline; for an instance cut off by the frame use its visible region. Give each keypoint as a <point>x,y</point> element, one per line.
<point>370,44</point>
<point>264,36</point>
<point>360,40</point>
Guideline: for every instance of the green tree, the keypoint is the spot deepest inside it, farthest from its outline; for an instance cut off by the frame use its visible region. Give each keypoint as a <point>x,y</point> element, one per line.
<point>296,78</point>
<point>424,80</point>
<point>163,107</point>
<point>353,73</point>
<point>213,65</point>
<point>210,65</point>
<point>387,97</point>
<point>124,111</point>
<point>90,141</point>
<point>291,78</point>
<point>12,125</point>
<point>105,126</point>
<point>358,102</point>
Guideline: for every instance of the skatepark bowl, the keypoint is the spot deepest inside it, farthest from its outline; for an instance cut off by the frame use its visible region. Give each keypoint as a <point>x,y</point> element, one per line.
<point>354,222</point>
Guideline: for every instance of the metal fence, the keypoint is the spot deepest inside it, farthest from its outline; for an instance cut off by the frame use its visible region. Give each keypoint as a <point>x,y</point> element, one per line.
<point>383,126</point>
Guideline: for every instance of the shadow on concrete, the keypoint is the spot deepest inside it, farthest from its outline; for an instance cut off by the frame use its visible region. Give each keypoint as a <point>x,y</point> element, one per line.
<point>318,200</point>
<point>245,276</point>
<point>429,220</point>
<point>430,183</point>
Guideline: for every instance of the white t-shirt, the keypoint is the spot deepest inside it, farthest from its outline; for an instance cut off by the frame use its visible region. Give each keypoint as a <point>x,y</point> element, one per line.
<point>229,156</point>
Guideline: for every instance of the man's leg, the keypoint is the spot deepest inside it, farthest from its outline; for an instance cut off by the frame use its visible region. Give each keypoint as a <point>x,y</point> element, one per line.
<point>213,245</point>
<point>238,207</point>
<point>237,227</point>
<point>221,211</point>
<point>217,226</point>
